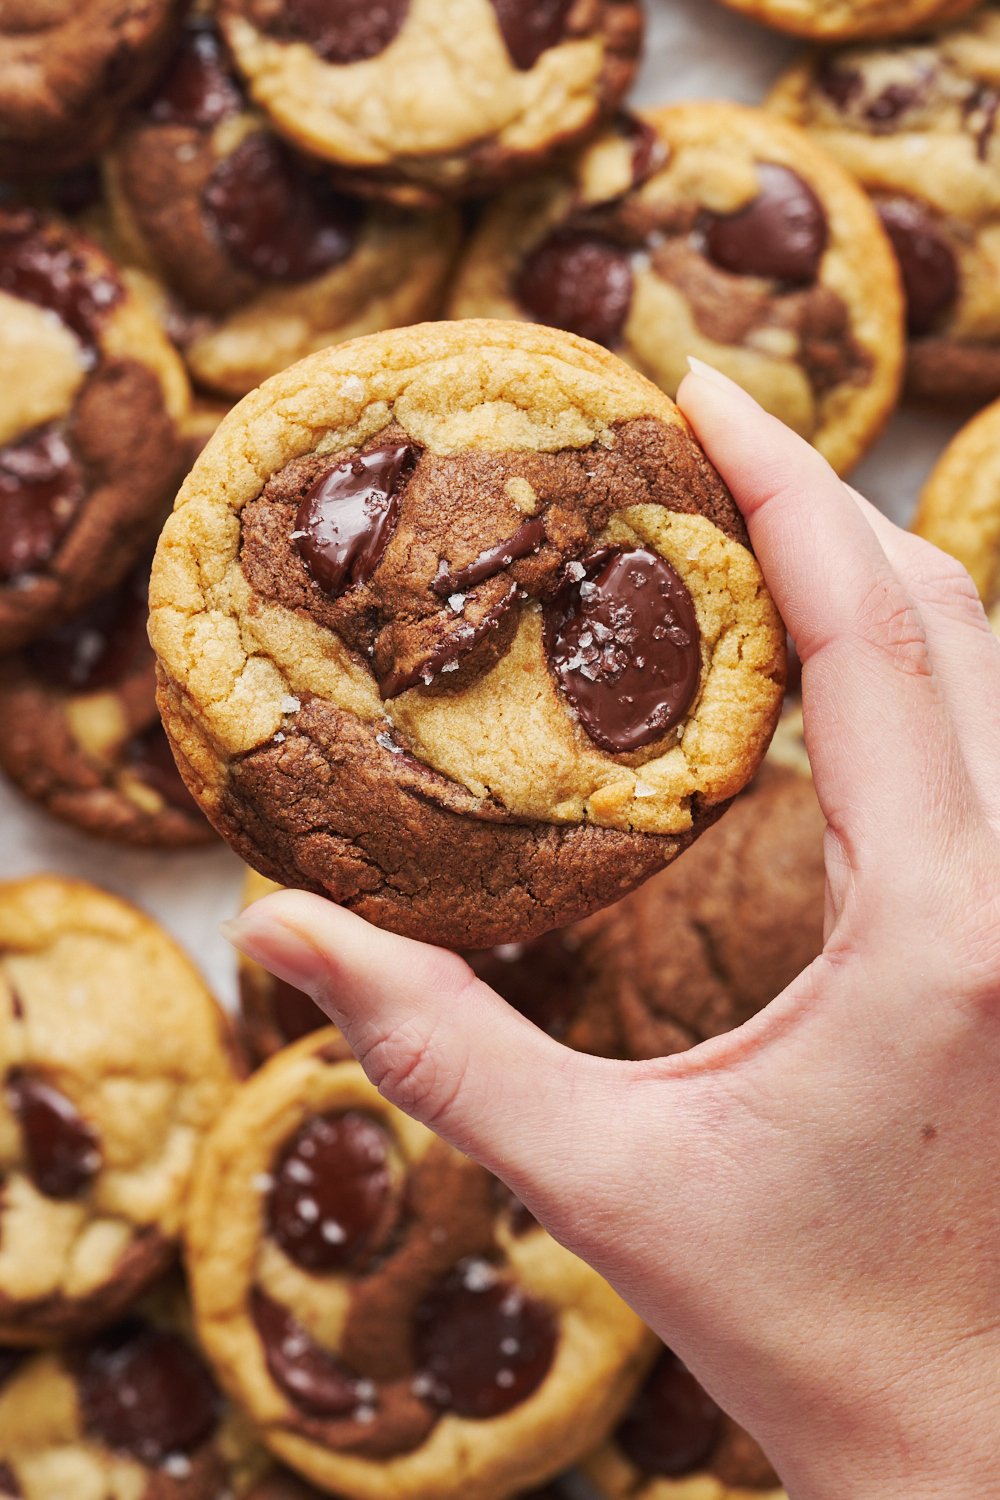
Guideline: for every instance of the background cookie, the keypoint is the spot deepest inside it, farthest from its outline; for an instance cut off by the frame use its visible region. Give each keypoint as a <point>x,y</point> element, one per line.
<point>272,1012</point>
<point>114,1059</point>
<point>702,229</point>
<point>411,733</point>
<point>840,20</point>
<point>959,509</point>
<point>381,1306</point>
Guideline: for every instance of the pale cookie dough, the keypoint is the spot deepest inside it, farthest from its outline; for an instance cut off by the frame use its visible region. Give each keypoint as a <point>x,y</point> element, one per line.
<point>959,509</point>
<point>405,654</point>
<point>842,20</point>
<point>710,230</point>
<point>387,1313</point>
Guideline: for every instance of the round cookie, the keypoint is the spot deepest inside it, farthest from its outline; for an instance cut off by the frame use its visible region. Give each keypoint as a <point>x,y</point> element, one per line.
<point>80,732</point>
<point>263,260</point>
<point>710,230</point>
<point>674,1443</point>
<point>842,20</point>
<point>66,68</point>
<point>114,1059</point>
<point>385,95</point>
<point>915,122</point>
<point>90,454</point>
<point>272,1011</point>
<point>959,509</point>
<point>389,1316</point>
<point>404,657</point>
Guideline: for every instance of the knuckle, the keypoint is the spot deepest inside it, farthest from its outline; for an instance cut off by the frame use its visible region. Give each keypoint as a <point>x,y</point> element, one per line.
<point>947,585</point>
<point>890,623</point>
<point>410,1070</point>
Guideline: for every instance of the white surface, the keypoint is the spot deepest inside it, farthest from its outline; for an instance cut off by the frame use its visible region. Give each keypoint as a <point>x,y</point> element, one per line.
<point>695,49</point>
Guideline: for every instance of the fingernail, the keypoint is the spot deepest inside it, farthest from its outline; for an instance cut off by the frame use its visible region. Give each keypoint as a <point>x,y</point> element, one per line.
<point>710,373</point>
<point>276,946</point>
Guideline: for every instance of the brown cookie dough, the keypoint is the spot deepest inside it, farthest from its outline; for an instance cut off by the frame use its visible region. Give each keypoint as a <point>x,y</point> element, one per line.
<point>915,122</point>
<point>458,626</point>
<point>80,732</point>
<point>66,69</point>
<point>427,100</point>
<point>959,509</point>
<point>263,260</point>
<point>842,20</point>
<point>92,398</point>
<point>674,1443</point>
<point>272,1012</point>
<point>114,1060</point>
<point>385,1311</point>
<point>710,230</point>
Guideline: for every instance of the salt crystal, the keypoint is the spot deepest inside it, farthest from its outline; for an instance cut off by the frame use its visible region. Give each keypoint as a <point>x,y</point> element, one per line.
<point>290,704</point>
<point>262,1182</point>
<point>456,602</point>
<point>352,388</point>
<point>575,570</point>
<point>643,789</point>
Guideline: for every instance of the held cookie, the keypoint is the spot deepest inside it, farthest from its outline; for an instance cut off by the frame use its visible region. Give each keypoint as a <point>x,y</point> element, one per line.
<point>390,1317</point>
<point>114,1060</point>
<point>272,1011</point>
<point>91,397</point>
<point>915,122</point>
<point>458,626</point>
<point>841,20</point>
<point>424,100</point>
<point>959,509</point>
<point>712,230</point>
<point>264,260</point>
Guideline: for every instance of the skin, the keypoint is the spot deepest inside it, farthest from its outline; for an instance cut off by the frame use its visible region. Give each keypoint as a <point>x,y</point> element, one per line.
<point>807,1210</point>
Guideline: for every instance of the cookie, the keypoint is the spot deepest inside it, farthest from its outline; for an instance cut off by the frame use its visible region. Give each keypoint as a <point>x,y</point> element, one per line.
<point>674,1443</point>
<point>915,122</point>
<point>272,1011</point>
<point>263,259</point>
<point>66,68</point>
<point>80,733</point>
<point>710,230</point>
<point>405,659</point>
<point>959,509</point>
<point>114,1059</point>
<point>392,1320</point>
<point>93,396</point>
<point>842,20</point>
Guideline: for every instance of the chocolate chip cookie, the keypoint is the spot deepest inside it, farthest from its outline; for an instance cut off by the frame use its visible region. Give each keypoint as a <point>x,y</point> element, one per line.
<point>114,1060</point>
<point>264,260</point>
<point>426,100</point>
<point>66,68</point>
<point>959,510</point>
<point>390,1317</point>
<point>915,122</point>
<point>92,399</point>
<point>272,1012</point>
<point>674,1443</point>
<point>458,626</point>
<point>841,20</point>
<point>712,230</point>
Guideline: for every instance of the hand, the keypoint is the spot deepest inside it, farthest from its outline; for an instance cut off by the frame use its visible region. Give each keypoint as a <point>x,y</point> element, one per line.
<point>808,1209</point>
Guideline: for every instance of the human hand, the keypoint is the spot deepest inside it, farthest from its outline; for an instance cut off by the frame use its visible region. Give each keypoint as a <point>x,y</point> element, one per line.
<point>807,1209</point>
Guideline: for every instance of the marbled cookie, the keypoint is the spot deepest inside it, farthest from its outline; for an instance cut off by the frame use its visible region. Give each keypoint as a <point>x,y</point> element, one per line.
<point>841,20</point>
<point>915,122</point>
<point>424,100</point>
<point>710,230</point>
<point>91,398</point>
<point>114,1059</point>
<point>959,510</point>
<point>393,1321</point>
<point>262,260</point>
<point>272,1011</point>
<point>458,626</point>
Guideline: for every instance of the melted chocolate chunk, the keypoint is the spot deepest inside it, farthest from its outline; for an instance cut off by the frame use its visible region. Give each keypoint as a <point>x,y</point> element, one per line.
<point>331,1191</point>
<point>448,655</point>
<point>41,489</point>
<point>580,281</point>
<point>482,1345</point>
<point>527,539</point>
<point>840,83</point>
<point>8,1482</point>
<point>42,265</point>
<point>624,644</point>
<point>927,262</point>
<point>649,152</point>
<point>894,100</point>
<point>344,31</point>
<point>310,1377</point>
<point>145,1392</point>
<point>347,519</point>
<point>98,648</point>
<point>148,754</point>
<point>76,190</point>
<point>519,1218</point>
<point>275,218</point>
<point>531,27</point>
<point>10,1362</point>
<point>295,1013</point>
<point>781,234</point>
<point>62,1150</point>
<point>198,88</point>
<point>673,1425</point>
<point>541,979</point>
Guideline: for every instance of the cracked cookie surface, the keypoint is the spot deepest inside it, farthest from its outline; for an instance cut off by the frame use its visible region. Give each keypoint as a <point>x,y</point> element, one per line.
<point>842,20</point>
<point>702,229</point>
<point>406,657</point>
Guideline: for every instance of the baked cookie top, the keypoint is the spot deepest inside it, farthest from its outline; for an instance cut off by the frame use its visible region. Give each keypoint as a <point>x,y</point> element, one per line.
<point>389,1316</point>
<point>114,1060</point>
<point>841,20</point>
<point>458,625</point>
<point>713,230</point>
<point>383,92</point>
<point>959,509</point>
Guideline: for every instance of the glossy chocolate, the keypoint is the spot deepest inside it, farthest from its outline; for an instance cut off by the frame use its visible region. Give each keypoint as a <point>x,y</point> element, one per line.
<point>331,1191</point>
<point>145,1392</point>
<point>580,281</point>
<point>41,489</point>
<point>198,88</point>
<point>40,263</point>
<point>459,640</point>
<point>100,647</point>
<point>541,979</point>
<point>345,31</point>
<point>148,755</point>
<point>62,1150</point>
<point>780,234</point>
<point>347,519</point>
<point>531,27</point>
<point>672,1425</point>
<point>481,1344</point>
<point>527,539</point>
<point>274,218</point>
<point>8,1482</point>
<point>927,262</point>
<point>624,645</point>
<point>841,83</point>
<point>310,1377</point>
